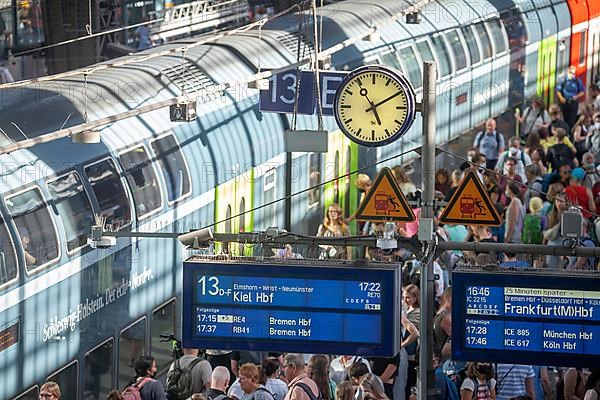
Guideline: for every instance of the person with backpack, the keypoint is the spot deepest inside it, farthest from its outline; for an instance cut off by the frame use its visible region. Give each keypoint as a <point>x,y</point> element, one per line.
<point>301,387</point>
<point>219,381</point>
<point>187,375</point>
<point>479,384</point>
<point>248,377</point>
<point>560,153</point>
<point>534,223</point>
<point>144,386</point>
<point>490,143</point>
<point>534,118</point>
<point>515,152</point>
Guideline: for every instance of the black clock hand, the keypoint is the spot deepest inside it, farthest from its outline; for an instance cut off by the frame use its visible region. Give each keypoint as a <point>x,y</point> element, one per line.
<point>363,92</point>
<point>374,106</point>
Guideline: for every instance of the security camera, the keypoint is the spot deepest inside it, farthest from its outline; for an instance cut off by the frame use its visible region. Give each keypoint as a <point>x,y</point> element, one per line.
<point>202,238</point>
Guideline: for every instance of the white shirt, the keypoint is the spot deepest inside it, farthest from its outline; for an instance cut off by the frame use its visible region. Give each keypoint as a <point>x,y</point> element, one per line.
<point>519,167</point>
<point>338,369</point>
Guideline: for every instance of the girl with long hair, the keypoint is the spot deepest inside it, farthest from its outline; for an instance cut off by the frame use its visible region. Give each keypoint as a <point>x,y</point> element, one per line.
<point>318,370</point>
<point>334,225</point>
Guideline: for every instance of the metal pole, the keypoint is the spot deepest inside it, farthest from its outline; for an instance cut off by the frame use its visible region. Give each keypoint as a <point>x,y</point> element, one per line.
<point>426,372</point>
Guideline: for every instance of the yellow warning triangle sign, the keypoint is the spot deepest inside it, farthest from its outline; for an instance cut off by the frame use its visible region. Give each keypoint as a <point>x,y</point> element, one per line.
<point>470,205</point>
<point>385,201</point>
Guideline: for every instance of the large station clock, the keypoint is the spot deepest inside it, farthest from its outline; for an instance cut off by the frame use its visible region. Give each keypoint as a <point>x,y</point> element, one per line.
<point>374,105</point>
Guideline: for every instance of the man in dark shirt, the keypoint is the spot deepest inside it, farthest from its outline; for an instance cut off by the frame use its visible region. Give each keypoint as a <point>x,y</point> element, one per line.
<point>569,92</point>
<point>218,384</point>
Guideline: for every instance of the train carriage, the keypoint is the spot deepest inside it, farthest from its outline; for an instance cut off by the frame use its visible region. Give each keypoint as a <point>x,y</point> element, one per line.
<point>79,315</point>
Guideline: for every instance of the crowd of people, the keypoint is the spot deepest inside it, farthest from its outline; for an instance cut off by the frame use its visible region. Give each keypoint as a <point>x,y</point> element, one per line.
<point>548,167</point>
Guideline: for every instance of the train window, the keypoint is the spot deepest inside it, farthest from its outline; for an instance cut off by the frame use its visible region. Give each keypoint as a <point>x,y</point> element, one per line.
<point>442,55</point>
<point>67,379</point>
<point>110,193</point>
<point>460,58</point>
<point>132,345</point>
<point>268,197</point>
<point>471,44</point>
<point>314,179</point>
<point>31,394</point>
<point>35,226</point>
<point>74,207</point>
<point>409,59</point>
<point>98,371</point>
<point>172,163</point>
<point>425,51</point>
<point>163,323</point>
<point>532,25</point>
<point>8,259</point>
<point>486,45</point>
<point>582,46</point>
<point>497,35</point>
<point>142,181</point>
<point>391,59</point>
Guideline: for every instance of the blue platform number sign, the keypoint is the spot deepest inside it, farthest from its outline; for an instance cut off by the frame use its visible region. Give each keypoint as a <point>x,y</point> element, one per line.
<point>291,308</point>
<point>281,95</point>
<point>526,318</point>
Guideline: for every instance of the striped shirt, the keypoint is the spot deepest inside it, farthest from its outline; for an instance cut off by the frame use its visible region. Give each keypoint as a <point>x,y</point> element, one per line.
<point>511,380</point>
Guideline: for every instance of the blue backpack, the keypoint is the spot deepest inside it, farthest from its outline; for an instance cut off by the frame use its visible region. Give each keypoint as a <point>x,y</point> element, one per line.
<point>451,389</point>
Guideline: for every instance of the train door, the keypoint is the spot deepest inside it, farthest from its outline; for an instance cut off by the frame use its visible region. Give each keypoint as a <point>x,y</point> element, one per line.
<point>233,200</point>
<point>548,52</point>
<point>482,76</point>
<point>340,159</point>
<point>498,91</point>
<point>563,18</point>
<point>593,59</point>
<point>515,30</point>
<point>477,114</point>
<point>579,37</point>
<point>459,92</point>
<point>445,74</point>
<point>533,44</point>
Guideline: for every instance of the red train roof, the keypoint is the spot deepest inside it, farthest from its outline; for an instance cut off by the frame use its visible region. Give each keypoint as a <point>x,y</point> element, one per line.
<point>579,10</point>
<point>594,7</point>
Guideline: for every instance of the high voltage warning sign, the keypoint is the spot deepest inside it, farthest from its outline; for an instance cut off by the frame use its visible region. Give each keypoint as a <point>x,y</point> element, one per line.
<point>470,205</point>
<point>385,201</point>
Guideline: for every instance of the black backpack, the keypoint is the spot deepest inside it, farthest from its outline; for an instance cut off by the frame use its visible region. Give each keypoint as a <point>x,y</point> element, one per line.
<point>308,391</point>
<point>179,381</point>
<point>560,154</point>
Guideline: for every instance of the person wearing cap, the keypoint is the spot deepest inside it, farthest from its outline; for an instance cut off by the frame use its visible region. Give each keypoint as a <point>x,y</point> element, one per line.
<point>580,196</point>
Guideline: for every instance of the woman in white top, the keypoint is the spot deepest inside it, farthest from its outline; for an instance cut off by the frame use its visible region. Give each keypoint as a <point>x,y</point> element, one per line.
<point>479,383</point>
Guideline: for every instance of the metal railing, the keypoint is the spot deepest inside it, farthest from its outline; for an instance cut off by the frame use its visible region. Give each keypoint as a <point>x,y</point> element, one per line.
<point>197,16</point>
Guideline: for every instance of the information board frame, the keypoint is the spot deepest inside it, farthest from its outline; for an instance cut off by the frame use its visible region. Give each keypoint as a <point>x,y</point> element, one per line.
<point>527,279</point>
<point>388,275</point>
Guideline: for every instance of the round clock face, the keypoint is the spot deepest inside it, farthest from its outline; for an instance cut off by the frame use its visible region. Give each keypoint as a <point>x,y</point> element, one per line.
<point>374,105</point>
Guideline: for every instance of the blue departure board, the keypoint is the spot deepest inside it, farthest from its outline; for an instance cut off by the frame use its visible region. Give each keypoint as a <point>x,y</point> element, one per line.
<point>292,308</point>
<point>526,318</point>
